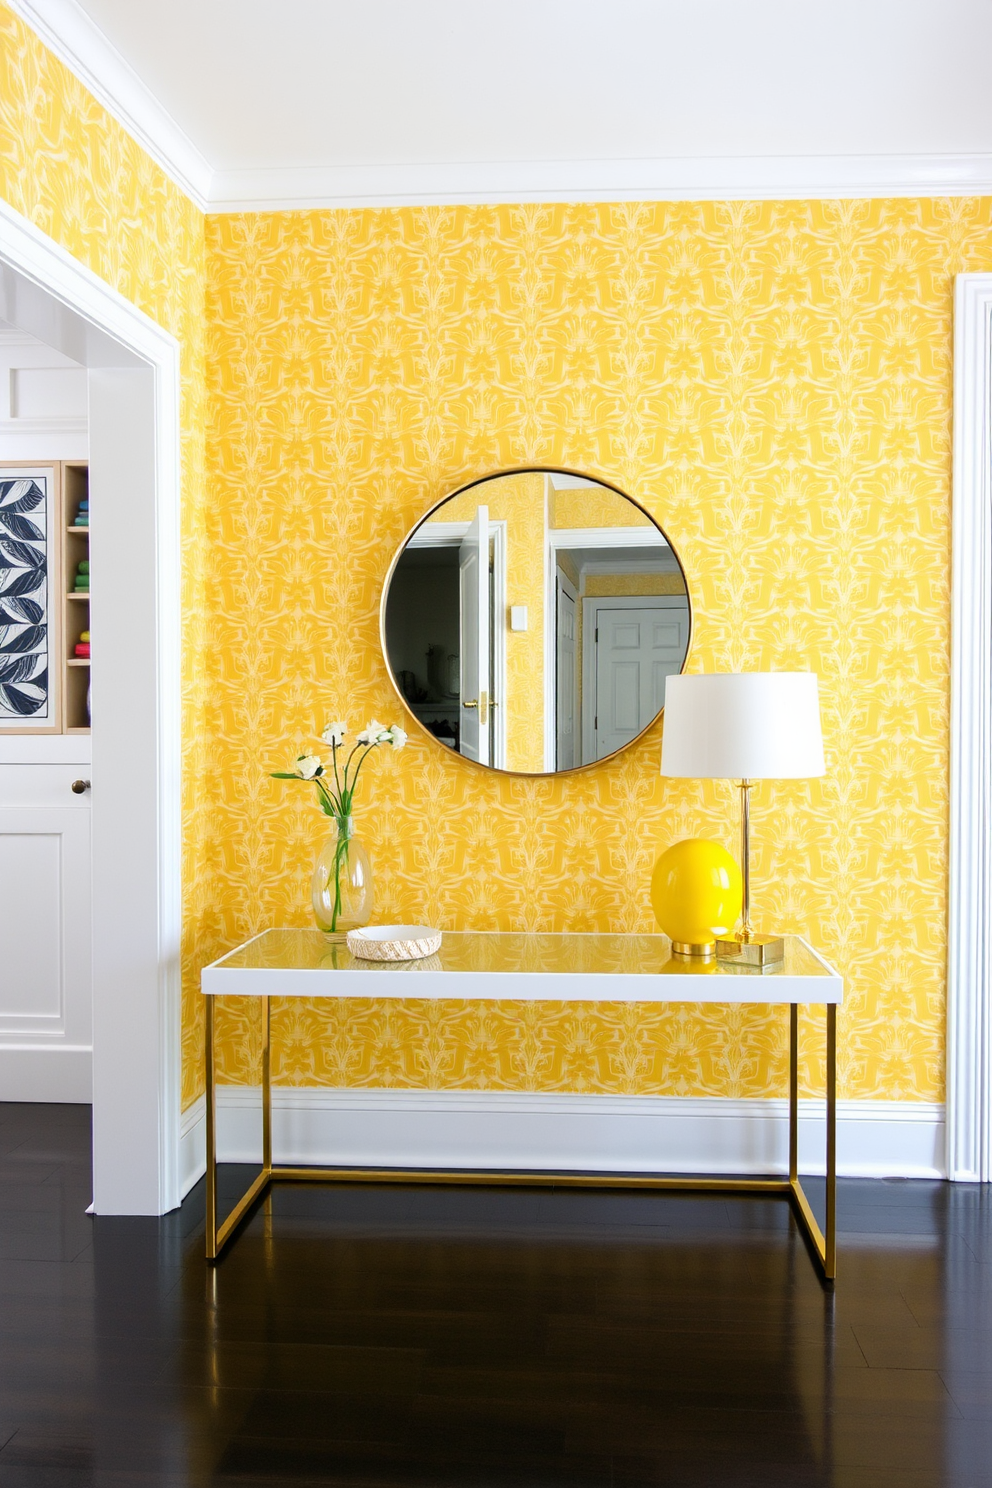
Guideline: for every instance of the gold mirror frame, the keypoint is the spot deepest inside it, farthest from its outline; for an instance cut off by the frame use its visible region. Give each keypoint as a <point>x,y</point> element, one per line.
<point>460,491</point>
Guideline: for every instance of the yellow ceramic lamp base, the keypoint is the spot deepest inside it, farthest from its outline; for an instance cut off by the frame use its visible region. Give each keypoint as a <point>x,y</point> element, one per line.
<point>696,893</point>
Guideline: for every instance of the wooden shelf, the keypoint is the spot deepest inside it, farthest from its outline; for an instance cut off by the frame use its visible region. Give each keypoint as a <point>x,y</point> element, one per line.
<point>76,616</point>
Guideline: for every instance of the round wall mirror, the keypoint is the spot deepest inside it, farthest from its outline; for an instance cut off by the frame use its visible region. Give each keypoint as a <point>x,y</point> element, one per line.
<point>531,619</point>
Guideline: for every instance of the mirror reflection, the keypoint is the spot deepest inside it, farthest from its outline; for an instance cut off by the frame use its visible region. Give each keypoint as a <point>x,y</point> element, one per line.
<point>531,621</point>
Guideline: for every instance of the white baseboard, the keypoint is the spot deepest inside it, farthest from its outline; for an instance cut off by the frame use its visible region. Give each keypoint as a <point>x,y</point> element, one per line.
<point>63,1076</point>
<point>596,1133</point>
<point>192,1146</point>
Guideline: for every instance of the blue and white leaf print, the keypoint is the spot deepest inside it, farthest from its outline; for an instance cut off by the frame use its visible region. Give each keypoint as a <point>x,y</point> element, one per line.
<point>24,600</point>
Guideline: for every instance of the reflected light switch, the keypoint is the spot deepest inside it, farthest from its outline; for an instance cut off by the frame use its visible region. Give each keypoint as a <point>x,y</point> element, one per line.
<point>518,617</point>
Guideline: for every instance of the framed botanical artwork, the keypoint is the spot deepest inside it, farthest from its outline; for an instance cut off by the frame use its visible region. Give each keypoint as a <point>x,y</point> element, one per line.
<point>30,599</point>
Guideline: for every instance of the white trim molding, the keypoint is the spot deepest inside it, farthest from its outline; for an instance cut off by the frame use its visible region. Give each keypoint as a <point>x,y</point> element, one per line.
<point>134,391</point>
<point>71,34</point>
<point>564,1133</point>
<point>969,951</point>
<point>62,1074</point>
<point>688,178</point>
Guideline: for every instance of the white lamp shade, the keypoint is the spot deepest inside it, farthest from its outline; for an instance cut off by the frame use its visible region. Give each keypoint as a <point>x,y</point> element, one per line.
<point>743,726</point>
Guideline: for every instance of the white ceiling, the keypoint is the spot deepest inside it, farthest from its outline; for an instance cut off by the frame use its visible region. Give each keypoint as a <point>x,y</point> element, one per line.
<point>257,102</point>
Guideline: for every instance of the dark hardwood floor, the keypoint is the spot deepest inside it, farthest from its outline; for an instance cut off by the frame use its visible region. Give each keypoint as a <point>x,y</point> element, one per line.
<point>368,1336</point>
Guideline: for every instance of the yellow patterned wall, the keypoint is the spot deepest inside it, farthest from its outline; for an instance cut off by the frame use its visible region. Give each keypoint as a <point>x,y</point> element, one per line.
<point>580,506</point>
<point>600,585</point>
<point>773,382</point>
<point>80,178</point>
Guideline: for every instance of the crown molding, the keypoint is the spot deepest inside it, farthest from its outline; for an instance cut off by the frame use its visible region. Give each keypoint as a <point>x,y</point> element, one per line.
<point>689,178</point>
<point>68,32</point>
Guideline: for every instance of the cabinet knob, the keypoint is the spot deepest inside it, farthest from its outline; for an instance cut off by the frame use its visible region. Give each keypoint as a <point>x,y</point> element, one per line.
<point>79,786</point>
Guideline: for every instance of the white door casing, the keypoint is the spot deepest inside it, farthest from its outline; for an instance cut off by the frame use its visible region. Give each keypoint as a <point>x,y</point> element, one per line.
<point>969,950</point>
<point>474,603</point>
<point>566,675</point>
<point>631,645</point>
<point>135,481</point>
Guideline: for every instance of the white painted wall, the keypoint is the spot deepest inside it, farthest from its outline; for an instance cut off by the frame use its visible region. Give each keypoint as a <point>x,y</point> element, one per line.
<point>43,398</point>
<point>46,993</point>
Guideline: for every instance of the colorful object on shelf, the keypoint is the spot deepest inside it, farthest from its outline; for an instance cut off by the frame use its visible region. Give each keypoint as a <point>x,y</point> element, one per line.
<point>82,647</point>
<point>82,517</point>
<point>696,892</point>
<point>82,581</point>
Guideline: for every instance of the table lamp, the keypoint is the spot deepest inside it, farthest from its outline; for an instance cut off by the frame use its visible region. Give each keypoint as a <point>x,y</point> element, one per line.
<point>744,726</point>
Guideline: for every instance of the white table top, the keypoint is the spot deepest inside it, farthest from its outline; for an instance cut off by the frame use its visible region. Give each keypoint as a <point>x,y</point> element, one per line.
<point>506,966</point>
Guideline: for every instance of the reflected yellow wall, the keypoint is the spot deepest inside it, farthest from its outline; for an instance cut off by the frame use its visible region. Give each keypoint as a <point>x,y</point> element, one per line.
<point>519,501</point>
<point>72,169</point>
<point>773,382</point>
<point>598,585</point>
<point>581,506</point>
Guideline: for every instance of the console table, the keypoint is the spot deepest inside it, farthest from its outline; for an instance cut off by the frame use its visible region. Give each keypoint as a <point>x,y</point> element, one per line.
<point>494,965</point>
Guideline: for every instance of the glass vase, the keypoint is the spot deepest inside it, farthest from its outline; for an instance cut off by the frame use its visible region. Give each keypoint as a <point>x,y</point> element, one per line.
<point>341,889</point>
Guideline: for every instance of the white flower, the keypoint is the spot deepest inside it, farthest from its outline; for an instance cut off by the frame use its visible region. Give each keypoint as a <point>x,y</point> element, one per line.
<point>397,736</point>
<point>334,734</point>
<point>374,733</point>
<point>308,767</point>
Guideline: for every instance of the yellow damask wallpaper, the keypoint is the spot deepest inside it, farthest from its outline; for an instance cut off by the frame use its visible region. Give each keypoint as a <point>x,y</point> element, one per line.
<point>772,381</point>
<point>578,506</point>
<point>80,178</point>
<point>598,585</point>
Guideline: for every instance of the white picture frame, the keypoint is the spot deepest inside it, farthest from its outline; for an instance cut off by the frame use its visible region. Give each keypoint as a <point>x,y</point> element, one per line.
<point>30,613</point>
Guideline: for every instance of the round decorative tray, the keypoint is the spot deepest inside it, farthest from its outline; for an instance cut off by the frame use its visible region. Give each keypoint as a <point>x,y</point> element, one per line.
<point>393,942</point>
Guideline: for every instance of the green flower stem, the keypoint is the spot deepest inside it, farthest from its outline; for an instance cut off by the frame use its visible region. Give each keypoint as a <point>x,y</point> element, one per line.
<point>340,855</point>
<point>337,803</point>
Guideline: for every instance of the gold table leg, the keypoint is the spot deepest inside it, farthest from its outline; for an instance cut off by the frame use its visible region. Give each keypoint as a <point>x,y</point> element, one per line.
<point>212,1246</point>
<point>266,1085</point>
<point>793,1093</point>
<point>218,1235</point>
<point>825,1247</point>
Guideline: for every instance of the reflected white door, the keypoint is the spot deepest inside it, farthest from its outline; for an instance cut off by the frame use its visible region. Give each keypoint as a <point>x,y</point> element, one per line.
<point>566,668</point>
<point>637,647</point>
<point>473,597</point>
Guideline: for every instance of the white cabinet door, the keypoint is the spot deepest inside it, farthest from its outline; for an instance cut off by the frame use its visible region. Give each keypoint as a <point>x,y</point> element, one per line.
<point>46,1040</point>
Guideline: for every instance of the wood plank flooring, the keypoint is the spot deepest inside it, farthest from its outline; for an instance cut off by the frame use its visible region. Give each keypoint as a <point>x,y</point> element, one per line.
<point>487,1338</point>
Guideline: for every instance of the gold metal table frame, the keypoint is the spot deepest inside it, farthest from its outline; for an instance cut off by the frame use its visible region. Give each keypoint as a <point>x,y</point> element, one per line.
<point>822,1242</point>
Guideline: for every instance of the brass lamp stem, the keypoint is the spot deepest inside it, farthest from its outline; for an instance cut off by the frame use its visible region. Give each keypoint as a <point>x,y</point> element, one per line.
<point>746,858</point>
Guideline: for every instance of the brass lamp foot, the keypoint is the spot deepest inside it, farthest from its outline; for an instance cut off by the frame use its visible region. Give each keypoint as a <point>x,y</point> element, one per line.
<point>756,950</point>
<point>689,951</point>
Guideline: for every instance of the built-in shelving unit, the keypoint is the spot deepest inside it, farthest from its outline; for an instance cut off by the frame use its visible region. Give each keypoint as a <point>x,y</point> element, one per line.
<point>76,617</point>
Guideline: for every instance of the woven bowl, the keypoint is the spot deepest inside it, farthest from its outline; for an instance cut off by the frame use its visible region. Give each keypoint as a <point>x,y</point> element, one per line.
<point>393,942</point>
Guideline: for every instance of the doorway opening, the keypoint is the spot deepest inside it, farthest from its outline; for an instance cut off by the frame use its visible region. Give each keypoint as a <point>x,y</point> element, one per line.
<point>132,386</point>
